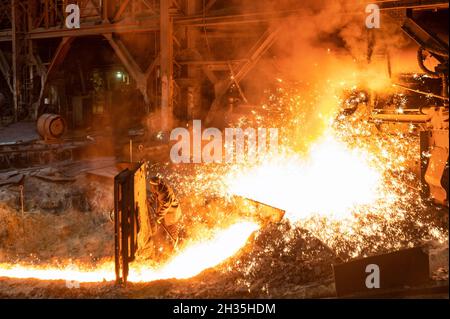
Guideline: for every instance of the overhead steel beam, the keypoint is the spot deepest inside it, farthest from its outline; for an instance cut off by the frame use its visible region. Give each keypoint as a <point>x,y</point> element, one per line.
<point>411,4</point>
<point>209,5</point>
<point>60,54</point>
<point>152,23</point>
<point>6,35</point>
<point>261,47</point>
<point>130,64</point>
<point>148,24</point>
<point>44,72</point>
<point>237,75</point>
<point>232,19</point>
<point>211,62</point>
<point>125,56</point>
<point>152,66</point>
<point>121,10</point>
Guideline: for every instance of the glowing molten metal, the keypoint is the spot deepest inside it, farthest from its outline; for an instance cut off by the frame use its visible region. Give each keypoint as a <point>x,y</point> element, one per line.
<point>191,261</point>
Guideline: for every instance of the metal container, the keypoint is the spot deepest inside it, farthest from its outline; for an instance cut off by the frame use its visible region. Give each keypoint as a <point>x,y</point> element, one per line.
<point>51,126</point>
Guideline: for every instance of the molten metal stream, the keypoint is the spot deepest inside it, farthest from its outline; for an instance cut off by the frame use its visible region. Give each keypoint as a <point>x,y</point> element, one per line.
<point>191,261</point>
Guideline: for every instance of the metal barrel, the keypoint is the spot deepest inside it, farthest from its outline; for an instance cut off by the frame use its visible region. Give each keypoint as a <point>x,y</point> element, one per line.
<point>51,126</point>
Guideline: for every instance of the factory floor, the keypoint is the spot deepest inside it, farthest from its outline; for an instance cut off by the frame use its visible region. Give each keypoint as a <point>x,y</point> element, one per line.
<point>70,219</point>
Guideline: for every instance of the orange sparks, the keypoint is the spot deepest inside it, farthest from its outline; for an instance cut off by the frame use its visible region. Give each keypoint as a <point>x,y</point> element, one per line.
<point>330,181</point>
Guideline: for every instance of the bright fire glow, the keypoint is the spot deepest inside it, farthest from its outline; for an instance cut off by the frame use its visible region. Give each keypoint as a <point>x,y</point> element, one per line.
<point>199,256</point>
<point>189,262</point>
<point>330,181</point>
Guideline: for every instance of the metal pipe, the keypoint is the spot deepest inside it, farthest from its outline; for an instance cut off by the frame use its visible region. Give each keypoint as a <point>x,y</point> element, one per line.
<point>421,92</point>
<point>416,118</point>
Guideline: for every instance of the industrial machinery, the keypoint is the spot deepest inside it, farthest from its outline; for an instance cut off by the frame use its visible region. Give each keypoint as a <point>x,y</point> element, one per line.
<point>420,105</point>
<point>433,125</point>
<point>130,205</point>
<point>434,135</point>
<point>427,106</point>
<point>135,228</point>
<point>49,146</point>
<point>51,126</point>
<point>136,231</point>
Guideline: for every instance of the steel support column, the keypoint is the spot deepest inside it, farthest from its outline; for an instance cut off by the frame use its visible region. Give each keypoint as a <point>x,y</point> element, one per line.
<point>6,71</point>
<point>166,47</point>
<point>15,57</point>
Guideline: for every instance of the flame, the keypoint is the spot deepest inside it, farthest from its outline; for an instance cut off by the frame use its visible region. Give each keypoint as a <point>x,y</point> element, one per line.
<point>188,263</point>
<point>199,256</point>
<point>330,181</point>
